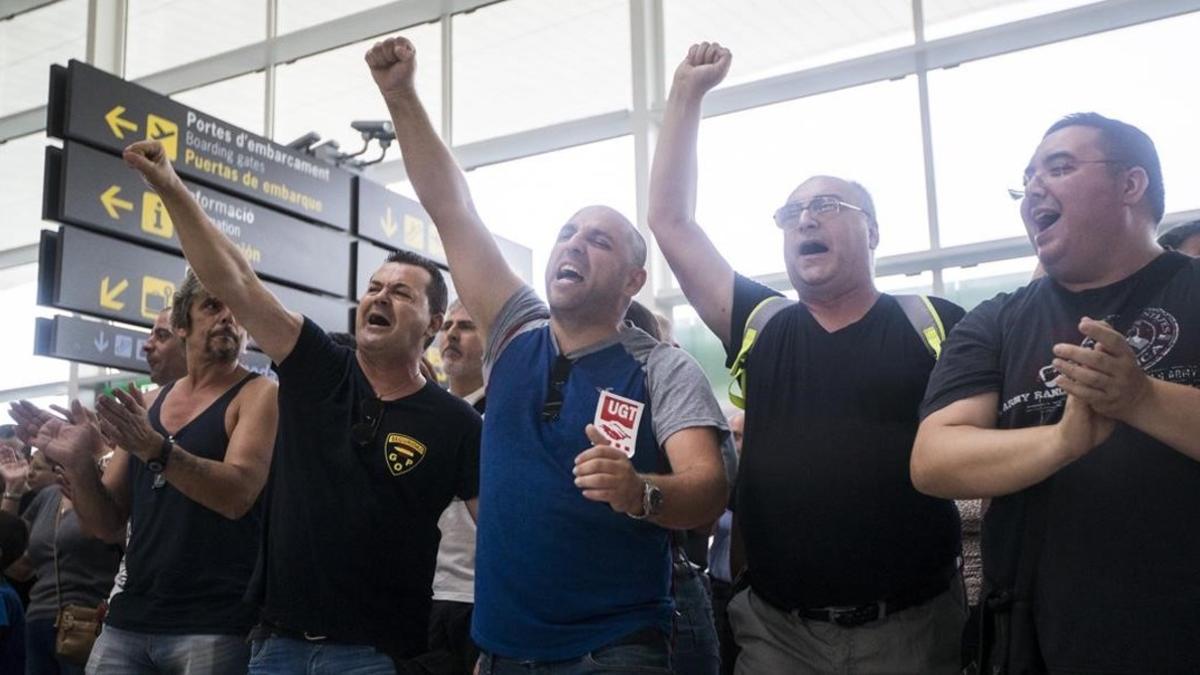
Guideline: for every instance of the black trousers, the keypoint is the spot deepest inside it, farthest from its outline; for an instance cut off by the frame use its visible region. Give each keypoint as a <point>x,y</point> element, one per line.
<point>451,651</point>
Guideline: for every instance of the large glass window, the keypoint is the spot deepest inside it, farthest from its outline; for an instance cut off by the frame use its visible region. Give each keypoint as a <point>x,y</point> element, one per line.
<point>772,37</point>
<point>951,17</point>
<point>18,303</point>
<point>166,33</point>
<point>326,92</point>
<point>969,286</point>
<point>523,64</point>
<point>989,115</point>
<point>751,161</point>
<point>528,200</point>
<point>29,43</point>
<point>297,14</point>
<point>21,167</point>
<point>238,100</point>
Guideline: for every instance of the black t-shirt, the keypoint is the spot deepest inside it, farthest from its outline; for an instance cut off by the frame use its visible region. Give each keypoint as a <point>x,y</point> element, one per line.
<point>351,537</point>
<point>824,502</point>
<point>1118,578</point>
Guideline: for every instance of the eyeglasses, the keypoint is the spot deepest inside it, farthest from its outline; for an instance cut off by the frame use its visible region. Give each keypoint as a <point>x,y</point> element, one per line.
<point>825,206</point>
<point>1055,170</point>
<point>554,391</point>
<point>370,413</point>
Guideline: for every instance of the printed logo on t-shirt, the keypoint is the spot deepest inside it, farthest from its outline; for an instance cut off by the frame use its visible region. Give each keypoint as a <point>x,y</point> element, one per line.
<point>402,453</point>
<point>1151,337</point>
<point>618,418</point>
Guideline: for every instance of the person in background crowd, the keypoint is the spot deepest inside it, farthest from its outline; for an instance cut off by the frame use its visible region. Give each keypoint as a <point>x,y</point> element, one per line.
<point>461,351</point>
<point>68,567</point>
<point>695,649</point>
<point>1184,237</point>
<point>597,516</point>
<point>192,460</point>
<point>370,454</point>
<point>720,574</point>
<point>13,537</point>
<point>850,568</point>
<point>1071,403</point>
<point>167,361</point>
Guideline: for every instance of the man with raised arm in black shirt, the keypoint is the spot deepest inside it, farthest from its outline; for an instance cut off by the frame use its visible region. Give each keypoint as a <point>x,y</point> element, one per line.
<point>370,454</point>
<point>850,569</point>
<point>1073,403</point>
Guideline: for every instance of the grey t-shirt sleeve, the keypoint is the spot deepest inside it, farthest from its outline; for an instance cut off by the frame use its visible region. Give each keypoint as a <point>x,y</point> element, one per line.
<point>681,398</point>
<point>522,311</point>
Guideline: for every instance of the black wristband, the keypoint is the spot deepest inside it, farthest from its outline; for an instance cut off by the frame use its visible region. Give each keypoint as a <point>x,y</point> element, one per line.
<point>159,464</point>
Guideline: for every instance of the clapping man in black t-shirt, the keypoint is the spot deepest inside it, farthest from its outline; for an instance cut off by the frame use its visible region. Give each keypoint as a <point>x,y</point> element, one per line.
<point>849,567</point>
<point>370,453</point>
<point>1074,404</point>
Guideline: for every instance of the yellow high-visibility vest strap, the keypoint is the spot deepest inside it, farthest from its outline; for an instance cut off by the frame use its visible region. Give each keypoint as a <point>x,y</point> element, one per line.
<point>758,319</point>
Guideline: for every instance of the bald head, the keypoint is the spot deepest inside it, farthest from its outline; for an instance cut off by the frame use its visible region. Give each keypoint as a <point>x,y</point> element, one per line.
<point>637,243</point>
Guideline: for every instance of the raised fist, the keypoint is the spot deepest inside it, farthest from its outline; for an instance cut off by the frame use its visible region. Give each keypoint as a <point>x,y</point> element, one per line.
<point>704,66</point>
<point>150,159</point>
<point>393,62</point>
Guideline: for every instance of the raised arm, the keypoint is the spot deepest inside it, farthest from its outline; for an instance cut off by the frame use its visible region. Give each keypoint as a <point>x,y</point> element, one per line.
<point>959,454</point>
<point>482,277</point>
<point>218,263</point>
<point>230,486</point>
<point>704,275</point>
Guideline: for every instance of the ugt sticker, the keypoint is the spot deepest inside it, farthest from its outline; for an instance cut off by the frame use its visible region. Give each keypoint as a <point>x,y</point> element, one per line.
<point>618,418</point>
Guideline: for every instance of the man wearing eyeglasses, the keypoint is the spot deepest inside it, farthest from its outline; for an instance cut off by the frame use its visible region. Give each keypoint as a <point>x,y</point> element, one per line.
<point>369,454</point>
<point>597,440</point>
<point>1072,403</point>
<point>850,569</point>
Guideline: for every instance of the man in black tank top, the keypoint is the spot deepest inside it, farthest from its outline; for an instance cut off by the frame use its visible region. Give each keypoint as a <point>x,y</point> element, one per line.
<point>187,472</point>
<point>370,454</point>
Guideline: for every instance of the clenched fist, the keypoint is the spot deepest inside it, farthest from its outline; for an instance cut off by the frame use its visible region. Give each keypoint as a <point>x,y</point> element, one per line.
<point>150,159</point>
<point>705,65</point>
<point>393,63</point>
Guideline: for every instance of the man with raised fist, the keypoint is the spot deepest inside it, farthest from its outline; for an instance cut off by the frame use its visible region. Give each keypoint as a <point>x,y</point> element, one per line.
<point>370,453</point>
<point>597,440</point>
<point>849,567</point>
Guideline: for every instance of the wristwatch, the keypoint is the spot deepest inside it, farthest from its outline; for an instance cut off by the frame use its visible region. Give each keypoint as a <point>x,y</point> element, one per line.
<point>652,500</point>
<point>159,464</point>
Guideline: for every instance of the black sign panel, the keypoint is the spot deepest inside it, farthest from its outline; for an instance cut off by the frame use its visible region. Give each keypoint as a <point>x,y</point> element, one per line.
<point>83,341</point>
<point>396,221</point>
<point>97,190</point>
<point>105,277</point>
<point>106,111</point>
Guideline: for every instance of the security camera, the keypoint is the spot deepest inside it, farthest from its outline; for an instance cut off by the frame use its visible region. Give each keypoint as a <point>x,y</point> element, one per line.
<point>379,129</point>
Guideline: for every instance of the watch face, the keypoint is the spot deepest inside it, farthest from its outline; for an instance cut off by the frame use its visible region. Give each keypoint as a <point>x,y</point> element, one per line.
<point>656,499</point>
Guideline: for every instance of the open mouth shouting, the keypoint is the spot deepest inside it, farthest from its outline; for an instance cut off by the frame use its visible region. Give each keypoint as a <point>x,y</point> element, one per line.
<point>568,273</point>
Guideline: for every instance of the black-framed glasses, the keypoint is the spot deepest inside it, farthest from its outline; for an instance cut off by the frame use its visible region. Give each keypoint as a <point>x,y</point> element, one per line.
<point>559,373</point>
<point>822,207</point>
<point>1054,170</point>
<point>370,413</point>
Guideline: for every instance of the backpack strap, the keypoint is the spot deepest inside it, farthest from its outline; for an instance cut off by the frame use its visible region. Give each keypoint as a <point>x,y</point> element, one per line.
<point>758,319</point>
<point>925,320</point>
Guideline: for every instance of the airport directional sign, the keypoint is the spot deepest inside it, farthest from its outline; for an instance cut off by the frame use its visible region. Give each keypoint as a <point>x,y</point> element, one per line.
<point>95,189</point>
<point>102,276</point>
<point>108,346</point>
<point>391,219</point>
<point>100,109</point>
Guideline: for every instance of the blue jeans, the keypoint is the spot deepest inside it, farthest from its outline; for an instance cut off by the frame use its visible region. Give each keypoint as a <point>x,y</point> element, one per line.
<point>285,656</point>
<point>623,658</point>
<point>696,649</point>
<point>40,656</point>
<point>128,652</point>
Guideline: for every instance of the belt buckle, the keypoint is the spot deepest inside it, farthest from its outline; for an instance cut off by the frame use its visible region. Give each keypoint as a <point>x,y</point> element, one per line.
<point>851,617</point>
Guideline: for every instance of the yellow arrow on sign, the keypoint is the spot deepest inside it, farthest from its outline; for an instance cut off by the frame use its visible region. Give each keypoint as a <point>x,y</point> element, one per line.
<point>117,123</point>
<point>112,202</point>
<point>388,223</point>
<point>108,296</point>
